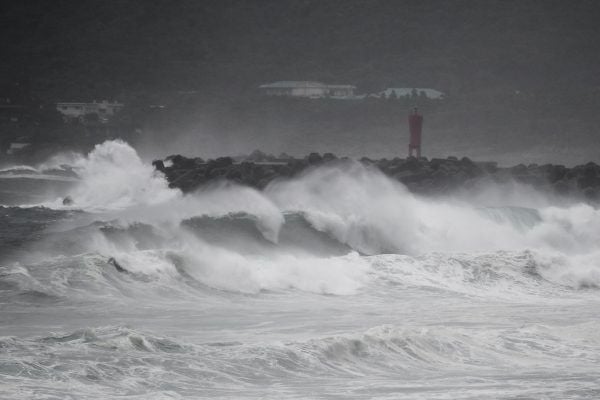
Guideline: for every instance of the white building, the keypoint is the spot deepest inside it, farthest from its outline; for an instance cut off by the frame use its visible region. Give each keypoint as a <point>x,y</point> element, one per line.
<point>410,92</point>
<point>341,90</point>
<point>15,147</point>
<point>103,109</point>
<point>310,89</point>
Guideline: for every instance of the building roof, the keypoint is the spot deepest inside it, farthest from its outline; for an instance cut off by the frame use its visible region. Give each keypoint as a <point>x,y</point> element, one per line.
<point>341,86</point>
<point>293,84</point>
<point>104,102</point>
<point>402,92</point>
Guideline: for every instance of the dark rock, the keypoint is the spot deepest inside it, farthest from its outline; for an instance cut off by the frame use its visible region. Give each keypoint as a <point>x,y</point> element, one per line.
<point>587,181</point>
<point>533,180</point>
<point>435,163</point>
<point>466,161</point>
<point>519,169</point>
<point>571,173</point>
<point>159,165</point>
<point>180,161</point>
<point>285,171</point>
<point>592,193</point>
<point>314,158</point>
<point>416,177</point>
<point>561,187</point>
<point>556,173</point>
<point>117,266</point>
<point>383,164</point>
<point>327,157</point>
<point>488,167</point>
<point>218,172</point>
<point>419,175</point>
<point>397,161</point>
<point>234,175</point>
<point>298,166</point>
<point>591,170</point>
<point>411,164</point>
<point>263,183</point>
<point>220,162</point>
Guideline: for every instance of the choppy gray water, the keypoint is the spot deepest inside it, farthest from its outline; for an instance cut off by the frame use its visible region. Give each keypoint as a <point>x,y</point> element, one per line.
<point>339,285</point>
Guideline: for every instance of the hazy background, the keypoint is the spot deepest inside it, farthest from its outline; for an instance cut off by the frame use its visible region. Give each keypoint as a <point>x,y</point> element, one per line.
<point>521,77</point>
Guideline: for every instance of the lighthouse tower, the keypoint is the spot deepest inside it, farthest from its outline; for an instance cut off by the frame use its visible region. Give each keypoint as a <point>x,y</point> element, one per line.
<point>415,127</point>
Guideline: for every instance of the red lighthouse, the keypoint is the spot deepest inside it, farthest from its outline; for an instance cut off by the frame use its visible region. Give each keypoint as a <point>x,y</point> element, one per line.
<point>415,126</point>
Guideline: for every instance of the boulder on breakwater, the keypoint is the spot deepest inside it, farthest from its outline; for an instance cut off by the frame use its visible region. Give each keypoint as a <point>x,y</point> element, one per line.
<point>422,175</point>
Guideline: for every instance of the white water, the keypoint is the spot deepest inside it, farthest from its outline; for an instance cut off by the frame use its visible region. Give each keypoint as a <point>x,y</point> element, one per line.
<point>337,284</point>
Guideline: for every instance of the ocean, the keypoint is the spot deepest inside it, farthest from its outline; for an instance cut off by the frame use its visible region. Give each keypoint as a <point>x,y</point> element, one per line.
<point>337,284</point>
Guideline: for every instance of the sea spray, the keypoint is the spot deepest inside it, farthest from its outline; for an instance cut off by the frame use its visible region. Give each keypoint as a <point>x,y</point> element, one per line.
<point>114,177</point>
<point>353,204</point>
<point>338,282</point>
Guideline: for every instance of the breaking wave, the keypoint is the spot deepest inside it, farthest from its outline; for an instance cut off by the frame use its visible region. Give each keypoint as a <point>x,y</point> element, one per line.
<point>338,282</point>
<point>315,232</point>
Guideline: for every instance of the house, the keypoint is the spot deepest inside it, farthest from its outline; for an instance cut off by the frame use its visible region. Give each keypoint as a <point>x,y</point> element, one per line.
<point>295,89</point>
<point>310,89</point>
<point>11,112</point>
<point>341,90</point>
<point>412,92</point>
<point>103,109</point>
<point>15,147</point>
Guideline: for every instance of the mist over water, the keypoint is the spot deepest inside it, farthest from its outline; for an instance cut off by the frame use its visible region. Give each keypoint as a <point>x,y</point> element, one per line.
<point>338,283</point>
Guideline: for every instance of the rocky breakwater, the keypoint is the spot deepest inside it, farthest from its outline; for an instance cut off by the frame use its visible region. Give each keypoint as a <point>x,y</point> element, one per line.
<point>423,176</point>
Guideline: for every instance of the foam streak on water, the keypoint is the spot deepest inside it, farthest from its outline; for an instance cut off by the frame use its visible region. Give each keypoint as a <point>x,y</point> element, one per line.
<point>337,284</point>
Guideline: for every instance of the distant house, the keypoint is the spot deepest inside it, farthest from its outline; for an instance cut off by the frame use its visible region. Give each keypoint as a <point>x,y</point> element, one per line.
<point>15,147</point>
<point>412,92</point>
<point>11,112</point>
<point>341,90</point>
<point>103,109</point>
<point>310,89</point>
